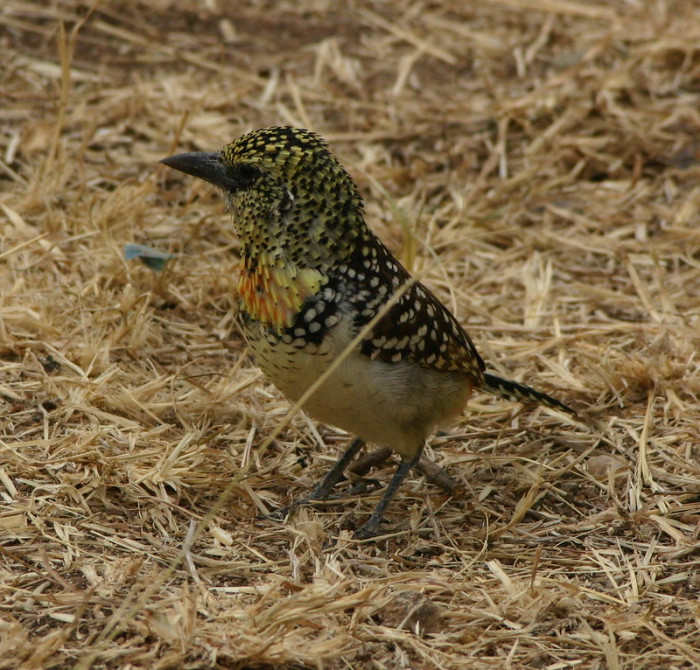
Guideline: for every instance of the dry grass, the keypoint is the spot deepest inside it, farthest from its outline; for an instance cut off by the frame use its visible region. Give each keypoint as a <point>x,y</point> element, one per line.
<point>545,151</point>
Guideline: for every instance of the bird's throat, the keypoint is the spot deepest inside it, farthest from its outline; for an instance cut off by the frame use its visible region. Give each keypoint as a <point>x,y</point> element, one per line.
<point>273,293</point>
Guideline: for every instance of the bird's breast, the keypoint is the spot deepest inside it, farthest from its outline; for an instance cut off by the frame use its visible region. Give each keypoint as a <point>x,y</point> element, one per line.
<point>396,404</point>
<point>273,293</point>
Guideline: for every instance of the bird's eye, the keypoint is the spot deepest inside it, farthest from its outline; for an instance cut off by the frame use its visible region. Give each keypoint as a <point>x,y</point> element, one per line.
<point>245,175</point>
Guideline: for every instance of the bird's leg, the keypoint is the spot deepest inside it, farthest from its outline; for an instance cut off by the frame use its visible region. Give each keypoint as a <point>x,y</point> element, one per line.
<point>357,472</point>
<point>323,489</point>
<point>335,474</point>
<point>431,470</point>
<point>370,460</point>
<point>371,527</point>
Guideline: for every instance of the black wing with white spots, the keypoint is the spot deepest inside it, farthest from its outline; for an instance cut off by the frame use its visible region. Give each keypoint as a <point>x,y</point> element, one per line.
<point>417,328</point>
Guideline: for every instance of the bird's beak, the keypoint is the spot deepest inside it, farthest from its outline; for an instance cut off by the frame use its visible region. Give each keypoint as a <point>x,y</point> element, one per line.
<point>206,165</point>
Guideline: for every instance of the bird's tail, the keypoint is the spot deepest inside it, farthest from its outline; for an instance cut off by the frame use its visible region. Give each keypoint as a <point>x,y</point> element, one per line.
<point>510,390</point>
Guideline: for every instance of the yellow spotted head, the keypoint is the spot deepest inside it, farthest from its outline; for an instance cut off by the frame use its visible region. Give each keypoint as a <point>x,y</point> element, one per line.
<point>291,200</point>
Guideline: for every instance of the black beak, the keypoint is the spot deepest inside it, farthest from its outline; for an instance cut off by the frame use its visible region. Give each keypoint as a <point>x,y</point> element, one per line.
<point>206,165</point>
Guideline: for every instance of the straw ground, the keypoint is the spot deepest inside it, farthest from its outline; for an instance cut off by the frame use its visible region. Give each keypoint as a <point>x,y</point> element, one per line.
<point>538,160</point>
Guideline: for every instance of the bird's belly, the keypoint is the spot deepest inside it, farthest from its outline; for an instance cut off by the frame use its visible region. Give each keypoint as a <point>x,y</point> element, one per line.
<point>392,404</point>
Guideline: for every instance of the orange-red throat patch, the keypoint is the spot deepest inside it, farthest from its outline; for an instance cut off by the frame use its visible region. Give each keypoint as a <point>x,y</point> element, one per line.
<point>274,295</point>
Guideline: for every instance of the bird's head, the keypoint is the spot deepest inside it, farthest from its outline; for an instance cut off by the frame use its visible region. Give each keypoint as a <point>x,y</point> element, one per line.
<point>289,196</point>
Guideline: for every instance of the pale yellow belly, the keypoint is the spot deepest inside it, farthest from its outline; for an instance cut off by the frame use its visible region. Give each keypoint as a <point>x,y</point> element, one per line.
<point>393,404</point>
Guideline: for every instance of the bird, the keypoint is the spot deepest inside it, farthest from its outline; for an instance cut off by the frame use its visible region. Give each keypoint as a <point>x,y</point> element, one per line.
<point>315,280</point>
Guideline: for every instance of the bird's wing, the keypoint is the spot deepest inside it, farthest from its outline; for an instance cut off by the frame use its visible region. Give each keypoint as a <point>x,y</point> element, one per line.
<point>417,327</point>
